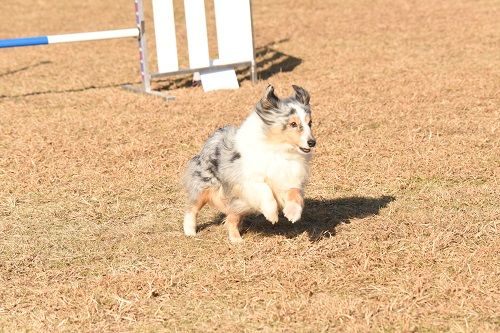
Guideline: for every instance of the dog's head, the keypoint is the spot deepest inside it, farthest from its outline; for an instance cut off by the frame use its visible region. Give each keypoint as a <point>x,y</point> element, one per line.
<point>287,121</point>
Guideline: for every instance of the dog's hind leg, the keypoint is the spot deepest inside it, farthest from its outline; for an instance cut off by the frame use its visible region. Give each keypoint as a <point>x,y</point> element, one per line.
<point>192,212</point>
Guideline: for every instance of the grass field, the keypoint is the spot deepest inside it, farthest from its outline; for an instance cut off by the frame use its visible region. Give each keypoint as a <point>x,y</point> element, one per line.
<point>401,227</point>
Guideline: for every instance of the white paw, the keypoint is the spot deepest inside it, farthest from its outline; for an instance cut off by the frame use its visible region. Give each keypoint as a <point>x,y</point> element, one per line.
<point>292,211</point>
<point>189,224</point>
<point>273,218</point>
<point>236,240</point>
<point>270,211</point>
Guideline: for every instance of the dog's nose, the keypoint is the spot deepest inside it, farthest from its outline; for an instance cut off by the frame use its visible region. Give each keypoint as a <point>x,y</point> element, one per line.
<point>311,143</point>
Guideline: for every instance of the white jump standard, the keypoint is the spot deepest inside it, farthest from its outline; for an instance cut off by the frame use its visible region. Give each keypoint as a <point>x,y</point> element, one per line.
<point>233,19</point>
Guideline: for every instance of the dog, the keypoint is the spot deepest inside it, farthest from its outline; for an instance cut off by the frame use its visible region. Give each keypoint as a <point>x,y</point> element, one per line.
<point>260,167</point>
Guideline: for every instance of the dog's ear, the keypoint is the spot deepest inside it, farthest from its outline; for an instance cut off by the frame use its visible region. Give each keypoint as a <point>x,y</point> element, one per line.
<point>269,101</point>
<point>301,95</point>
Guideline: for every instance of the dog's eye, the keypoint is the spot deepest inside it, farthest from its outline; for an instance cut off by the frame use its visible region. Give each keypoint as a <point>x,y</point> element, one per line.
<point>310,123</point>
<point>294,124</point>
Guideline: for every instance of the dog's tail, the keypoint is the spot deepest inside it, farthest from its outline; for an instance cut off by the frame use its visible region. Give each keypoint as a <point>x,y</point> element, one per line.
<point>199,177</point>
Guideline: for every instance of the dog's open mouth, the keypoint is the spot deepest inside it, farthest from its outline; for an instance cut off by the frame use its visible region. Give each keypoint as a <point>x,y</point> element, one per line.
<point>305,150</point>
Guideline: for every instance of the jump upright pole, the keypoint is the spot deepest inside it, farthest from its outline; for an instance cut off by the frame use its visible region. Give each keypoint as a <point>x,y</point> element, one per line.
<point>143,49</point>
<point>143,56</point>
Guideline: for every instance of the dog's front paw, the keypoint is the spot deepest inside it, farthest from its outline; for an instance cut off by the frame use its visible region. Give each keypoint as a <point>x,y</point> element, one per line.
<point>292,211</point>
<point>272,217</point>
<point>270,212</point>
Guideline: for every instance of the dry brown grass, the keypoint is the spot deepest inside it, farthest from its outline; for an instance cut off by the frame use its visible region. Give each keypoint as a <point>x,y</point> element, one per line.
<point>400,231</point>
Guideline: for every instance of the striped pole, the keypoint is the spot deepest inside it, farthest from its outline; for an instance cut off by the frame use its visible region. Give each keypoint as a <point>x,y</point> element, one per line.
<point>143,49</point>
<point>68,38</point>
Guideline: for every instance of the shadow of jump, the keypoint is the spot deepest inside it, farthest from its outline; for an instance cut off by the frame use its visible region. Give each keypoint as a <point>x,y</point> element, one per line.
<point>270,62</point>
<point>319,219</point>
<point>25,68</point>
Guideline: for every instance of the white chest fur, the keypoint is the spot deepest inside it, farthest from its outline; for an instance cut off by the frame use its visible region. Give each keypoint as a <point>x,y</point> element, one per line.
<point>286,172</point>
<point>263,161</point>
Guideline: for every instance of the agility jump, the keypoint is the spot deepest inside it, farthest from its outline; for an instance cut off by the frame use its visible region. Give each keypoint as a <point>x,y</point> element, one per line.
<point>233,19</point>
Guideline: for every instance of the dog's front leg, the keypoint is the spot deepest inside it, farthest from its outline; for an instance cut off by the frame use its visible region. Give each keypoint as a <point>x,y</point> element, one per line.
<point>233,221</point>
<point>268,205</point>
<point>261,195</point>
<point>294,203</point>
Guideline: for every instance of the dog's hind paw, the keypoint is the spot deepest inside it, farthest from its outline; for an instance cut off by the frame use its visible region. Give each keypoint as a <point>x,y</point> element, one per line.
<point>236,240</point>
<point>292,211</point>
<point>189,225</point>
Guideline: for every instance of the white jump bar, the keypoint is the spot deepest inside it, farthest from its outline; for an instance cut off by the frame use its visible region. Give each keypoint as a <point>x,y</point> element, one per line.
<point>97,35</point>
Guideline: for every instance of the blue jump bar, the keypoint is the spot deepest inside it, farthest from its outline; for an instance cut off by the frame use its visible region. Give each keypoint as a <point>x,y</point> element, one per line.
<point>16,42</point>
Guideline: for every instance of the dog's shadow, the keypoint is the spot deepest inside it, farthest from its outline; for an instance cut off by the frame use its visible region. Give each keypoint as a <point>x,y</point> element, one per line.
<point>319,219</point>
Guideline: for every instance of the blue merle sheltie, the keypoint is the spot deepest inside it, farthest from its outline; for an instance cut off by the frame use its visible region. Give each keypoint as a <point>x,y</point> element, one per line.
<point>260,167</point>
